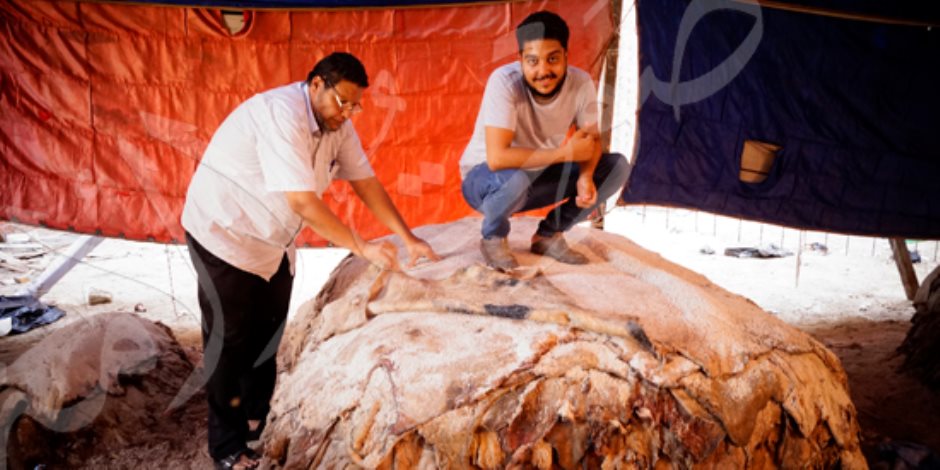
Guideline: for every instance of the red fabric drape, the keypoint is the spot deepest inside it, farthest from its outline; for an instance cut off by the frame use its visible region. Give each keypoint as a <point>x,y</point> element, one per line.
<point>105,109</point>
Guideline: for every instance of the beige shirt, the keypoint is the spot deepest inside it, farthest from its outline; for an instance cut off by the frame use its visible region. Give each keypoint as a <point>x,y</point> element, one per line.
<point>270,144</point>
<point>508,104</point>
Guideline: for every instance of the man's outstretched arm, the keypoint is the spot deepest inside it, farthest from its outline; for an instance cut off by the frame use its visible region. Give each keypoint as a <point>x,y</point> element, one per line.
<point>375,197</point>
<point>324,222</point>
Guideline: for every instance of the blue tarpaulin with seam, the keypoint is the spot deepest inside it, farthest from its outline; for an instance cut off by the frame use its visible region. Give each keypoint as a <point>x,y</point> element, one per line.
<point>851,105</point>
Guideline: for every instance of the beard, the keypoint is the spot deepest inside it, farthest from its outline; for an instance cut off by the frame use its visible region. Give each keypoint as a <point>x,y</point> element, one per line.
<point>549,95</point>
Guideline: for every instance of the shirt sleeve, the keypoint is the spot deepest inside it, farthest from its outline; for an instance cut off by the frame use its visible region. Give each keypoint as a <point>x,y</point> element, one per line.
<point>498,108</point>
<point>283,145</point>
<point>587,104</point>
<point>353,164</point>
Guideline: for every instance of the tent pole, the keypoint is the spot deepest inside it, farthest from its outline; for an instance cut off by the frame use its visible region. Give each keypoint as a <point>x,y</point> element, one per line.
<point>609,84</point>
<point>902,258</point>
<point>61,266</point>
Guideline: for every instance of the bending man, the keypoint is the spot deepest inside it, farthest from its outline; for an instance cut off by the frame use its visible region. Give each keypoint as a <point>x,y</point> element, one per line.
<point>260,180</point>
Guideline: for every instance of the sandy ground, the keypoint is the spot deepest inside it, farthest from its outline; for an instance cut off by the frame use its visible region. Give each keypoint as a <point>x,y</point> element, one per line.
<point>849,296</point>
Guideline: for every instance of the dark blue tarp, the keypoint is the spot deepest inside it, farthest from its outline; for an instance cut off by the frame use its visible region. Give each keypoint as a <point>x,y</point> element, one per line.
<point>26,312</point>
<point>855,106</point>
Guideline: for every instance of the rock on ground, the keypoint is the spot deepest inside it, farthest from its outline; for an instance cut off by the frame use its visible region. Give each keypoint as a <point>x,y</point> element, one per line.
<point>921,347</point>
<point>627,361</point>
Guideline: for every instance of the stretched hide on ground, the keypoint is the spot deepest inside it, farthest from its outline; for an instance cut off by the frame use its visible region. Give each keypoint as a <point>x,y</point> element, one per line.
<point>93,387</point>
<point>628,360</point>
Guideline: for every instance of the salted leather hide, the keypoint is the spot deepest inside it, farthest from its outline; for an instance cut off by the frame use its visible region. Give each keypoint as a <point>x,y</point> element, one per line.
<point>629,361</point>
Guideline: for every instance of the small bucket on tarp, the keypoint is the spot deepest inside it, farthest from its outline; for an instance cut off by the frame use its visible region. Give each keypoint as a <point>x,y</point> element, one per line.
<point>756,160</point>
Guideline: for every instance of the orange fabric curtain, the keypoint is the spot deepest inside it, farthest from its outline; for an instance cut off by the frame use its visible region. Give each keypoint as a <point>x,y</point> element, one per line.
<point>105,109</point>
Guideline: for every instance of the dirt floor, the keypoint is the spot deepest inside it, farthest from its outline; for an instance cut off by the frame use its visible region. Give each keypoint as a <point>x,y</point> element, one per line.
<point>891,406</point>
<point>845,291</point>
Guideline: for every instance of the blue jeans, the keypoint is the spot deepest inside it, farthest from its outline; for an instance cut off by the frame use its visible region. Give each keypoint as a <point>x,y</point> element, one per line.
<point>500,194</point>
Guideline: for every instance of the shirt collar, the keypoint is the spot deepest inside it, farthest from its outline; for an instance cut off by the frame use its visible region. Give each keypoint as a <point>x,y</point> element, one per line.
<point>311,119</point>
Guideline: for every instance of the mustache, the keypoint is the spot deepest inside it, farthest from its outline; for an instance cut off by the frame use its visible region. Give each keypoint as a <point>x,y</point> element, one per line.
<point>543,77</point>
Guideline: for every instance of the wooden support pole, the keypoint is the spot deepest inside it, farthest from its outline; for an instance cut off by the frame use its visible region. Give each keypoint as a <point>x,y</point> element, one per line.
<point>609,86</point>
<point>903,260</point>
<point>799,259</point>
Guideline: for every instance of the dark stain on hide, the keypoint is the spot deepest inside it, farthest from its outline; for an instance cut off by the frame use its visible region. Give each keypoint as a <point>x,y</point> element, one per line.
<point>463,310</point>
<point>638,334</point>
<point>514,311</point>
<point>511,282</point>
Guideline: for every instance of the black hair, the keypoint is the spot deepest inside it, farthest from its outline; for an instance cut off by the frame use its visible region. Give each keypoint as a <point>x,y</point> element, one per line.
<point>542,25</point>
<point>340,66</point>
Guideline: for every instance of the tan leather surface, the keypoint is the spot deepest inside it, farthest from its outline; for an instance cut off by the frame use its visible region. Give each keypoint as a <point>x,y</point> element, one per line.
<point>628,359</point>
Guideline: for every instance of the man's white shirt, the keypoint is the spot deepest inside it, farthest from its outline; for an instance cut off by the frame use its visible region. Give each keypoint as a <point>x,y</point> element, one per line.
<point>236,206</point>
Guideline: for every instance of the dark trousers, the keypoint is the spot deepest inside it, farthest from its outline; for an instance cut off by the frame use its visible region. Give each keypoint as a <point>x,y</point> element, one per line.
<point>500,194</point>
<point>242,323</point>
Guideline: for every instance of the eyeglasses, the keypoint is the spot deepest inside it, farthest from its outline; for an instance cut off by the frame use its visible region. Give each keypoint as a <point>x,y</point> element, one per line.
<point>348,107</point>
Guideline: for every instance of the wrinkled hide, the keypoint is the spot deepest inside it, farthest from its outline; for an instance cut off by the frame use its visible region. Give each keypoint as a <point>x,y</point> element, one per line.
<point>627,361</point>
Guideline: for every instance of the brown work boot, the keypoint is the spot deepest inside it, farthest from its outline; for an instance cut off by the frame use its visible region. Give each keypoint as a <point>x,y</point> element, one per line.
<point>496,253</point>
<point>556,247</point>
